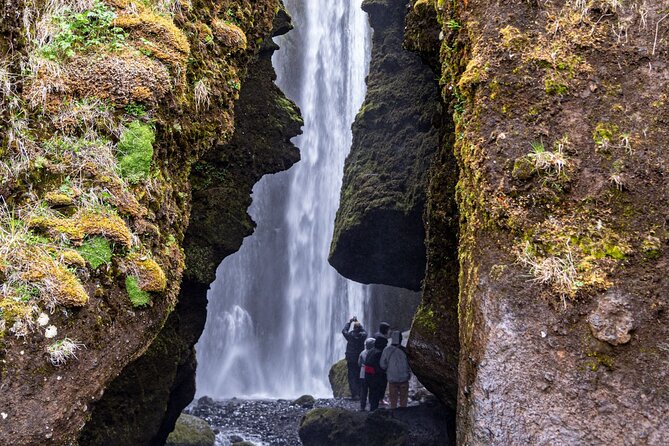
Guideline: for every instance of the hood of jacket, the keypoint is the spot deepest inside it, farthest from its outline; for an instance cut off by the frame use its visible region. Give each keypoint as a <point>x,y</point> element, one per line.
<point>369,343</point>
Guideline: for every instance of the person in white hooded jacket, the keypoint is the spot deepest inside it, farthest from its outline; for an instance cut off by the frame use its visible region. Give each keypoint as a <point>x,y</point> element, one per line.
<point>396,364</point>
<point>369,344</point>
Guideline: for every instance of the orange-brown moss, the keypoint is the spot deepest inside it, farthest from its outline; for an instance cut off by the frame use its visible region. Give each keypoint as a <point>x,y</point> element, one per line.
<point>70,257</point>
<point>155,35</point>
<point>122,78</point>
<point>60,285</point>
<point>57,199</point>
<point>229,35</point>
<point>85,223</point>
<point>150,275</point>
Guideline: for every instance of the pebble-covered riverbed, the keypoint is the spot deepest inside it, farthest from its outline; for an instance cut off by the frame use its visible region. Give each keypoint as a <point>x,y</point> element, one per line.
<point>262,422</point>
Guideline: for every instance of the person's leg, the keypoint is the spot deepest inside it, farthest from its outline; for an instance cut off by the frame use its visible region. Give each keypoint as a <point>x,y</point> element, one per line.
<point>364,391</point>
<point>393,394</point>
<point>383,388</point>
<point>353,373</point>
<point>404,393</point>
<point>373,395</point>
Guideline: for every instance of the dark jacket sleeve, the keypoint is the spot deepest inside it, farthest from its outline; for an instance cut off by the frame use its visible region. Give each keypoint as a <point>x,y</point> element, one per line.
<point>345,330</point>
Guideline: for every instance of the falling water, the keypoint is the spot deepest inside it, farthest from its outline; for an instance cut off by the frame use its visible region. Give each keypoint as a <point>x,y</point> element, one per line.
<point>276,306</point>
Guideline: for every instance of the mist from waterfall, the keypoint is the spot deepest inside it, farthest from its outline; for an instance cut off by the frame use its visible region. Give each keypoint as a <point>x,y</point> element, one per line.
<point>277,305</point>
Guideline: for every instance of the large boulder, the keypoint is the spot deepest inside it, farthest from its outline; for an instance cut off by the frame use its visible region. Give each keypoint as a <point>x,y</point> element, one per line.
<point>191,431</point>
<point>379,233</point>
<point>416,426</point>
<point>338,377</point>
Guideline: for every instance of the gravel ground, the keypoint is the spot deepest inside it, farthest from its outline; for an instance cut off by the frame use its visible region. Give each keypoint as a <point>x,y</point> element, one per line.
<point>263,422</point>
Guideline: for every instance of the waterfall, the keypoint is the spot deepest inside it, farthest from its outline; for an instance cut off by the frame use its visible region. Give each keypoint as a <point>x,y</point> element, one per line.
<point>277,306</point>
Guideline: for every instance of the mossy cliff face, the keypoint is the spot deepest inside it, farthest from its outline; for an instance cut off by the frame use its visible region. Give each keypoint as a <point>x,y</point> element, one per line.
<point>222,181</point>
<point>105,108</point>
<point>379,235</point>
<point>559,112</point>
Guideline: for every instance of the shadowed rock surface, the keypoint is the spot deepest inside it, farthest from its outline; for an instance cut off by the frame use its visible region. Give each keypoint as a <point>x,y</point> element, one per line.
<point>424,425</point>
<point>379,235</point>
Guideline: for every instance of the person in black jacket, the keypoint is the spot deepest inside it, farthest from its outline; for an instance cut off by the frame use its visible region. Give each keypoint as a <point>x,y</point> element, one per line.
<point>354,346</point>
<point>383,333</point>
<point>374,374</point>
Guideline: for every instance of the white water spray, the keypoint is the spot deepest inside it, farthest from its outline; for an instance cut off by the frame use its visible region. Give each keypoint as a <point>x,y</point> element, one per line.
<point>276,307</point>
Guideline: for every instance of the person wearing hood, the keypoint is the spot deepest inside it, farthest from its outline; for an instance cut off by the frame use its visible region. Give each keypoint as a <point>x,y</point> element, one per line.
<point>396,364</point>
<point>364,388</point>
<point>374,374</point>
<point>355,342</point>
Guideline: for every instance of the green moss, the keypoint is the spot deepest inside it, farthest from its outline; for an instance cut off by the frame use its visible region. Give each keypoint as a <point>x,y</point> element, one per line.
<point>138,297</point>
<point>136,151</point>
<point>599,359</point>
<point>96,251</point>
<point>604,133</point>
<point>554,87</point>
<point>652,247</point>
<point>85,30</point>
<point>426,318</point>
<point>614,251</point>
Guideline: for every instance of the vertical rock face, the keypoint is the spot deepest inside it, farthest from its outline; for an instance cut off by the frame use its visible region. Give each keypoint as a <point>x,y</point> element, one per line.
<point>560,112</point>
<point>549,206</point>
<point>222,181</point>
<point>105,106</point>
<point>379,235</point>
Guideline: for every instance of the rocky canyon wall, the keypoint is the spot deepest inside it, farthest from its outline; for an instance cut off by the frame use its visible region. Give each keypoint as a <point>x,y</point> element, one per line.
<point>552,216</point>
<point>106,109</point>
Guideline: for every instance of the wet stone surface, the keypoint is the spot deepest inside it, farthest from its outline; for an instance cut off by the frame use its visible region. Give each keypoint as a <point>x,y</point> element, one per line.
<point>261,422</point>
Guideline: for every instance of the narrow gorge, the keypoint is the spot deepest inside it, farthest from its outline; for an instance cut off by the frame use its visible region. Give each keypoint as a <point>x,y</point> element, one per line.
<point>197,195</point>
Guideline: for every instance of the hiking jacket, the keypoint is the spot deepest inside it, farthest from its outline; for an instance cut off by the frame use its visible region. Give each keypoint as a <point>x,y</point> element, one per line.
<point>355,342</point>
<point>369,345</point>
<point>394,361</point>
<point>373,370</point>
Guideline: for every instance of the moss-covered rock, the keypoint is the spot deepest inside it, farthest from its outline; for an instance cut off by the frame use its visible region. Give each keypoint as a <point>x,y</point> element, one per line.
<point>379,233</point>
<point>545,237</point>
<point>419,425</point>
<point>222,181</point>
<point>338,377</point>
<point>103,117</point>
<point>191,431</point>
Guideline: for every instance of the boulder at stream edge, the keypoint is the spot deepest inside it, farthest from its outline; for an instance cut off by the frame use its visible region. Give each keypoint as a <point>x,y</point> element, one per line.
<point>191,431</point>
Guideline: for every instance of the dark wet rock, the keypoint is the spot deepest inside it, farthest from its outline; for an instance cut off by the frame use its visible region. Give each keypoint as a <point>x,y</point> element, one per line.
<point>413,426</point>
<point>338,377</point>
<point>379,233</point>
<point>235,439</point>
<point>191,431</point>
<point>305,401</point>
<point>205,401</point>
<point>276,423</point>
<point>612,321</point>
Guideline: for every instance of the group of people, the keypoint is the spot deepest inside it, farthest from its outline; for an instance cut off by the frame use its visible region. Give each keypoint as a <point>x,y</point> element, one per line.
<point>374,365</point>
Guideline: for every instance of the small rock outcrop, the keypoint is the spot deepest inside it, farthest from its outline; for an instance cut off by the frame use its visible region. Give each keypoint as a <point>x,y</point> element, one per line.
<point>379,233</point>
<point>191,431</point>
<point>305,401</point>
<point>338,377</point>
<point>612,320</point>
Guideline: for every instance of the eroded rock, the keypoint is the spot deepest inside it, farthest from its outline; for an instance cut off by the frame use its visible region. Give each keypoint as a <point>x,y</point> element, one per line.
<point>612,321</point>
